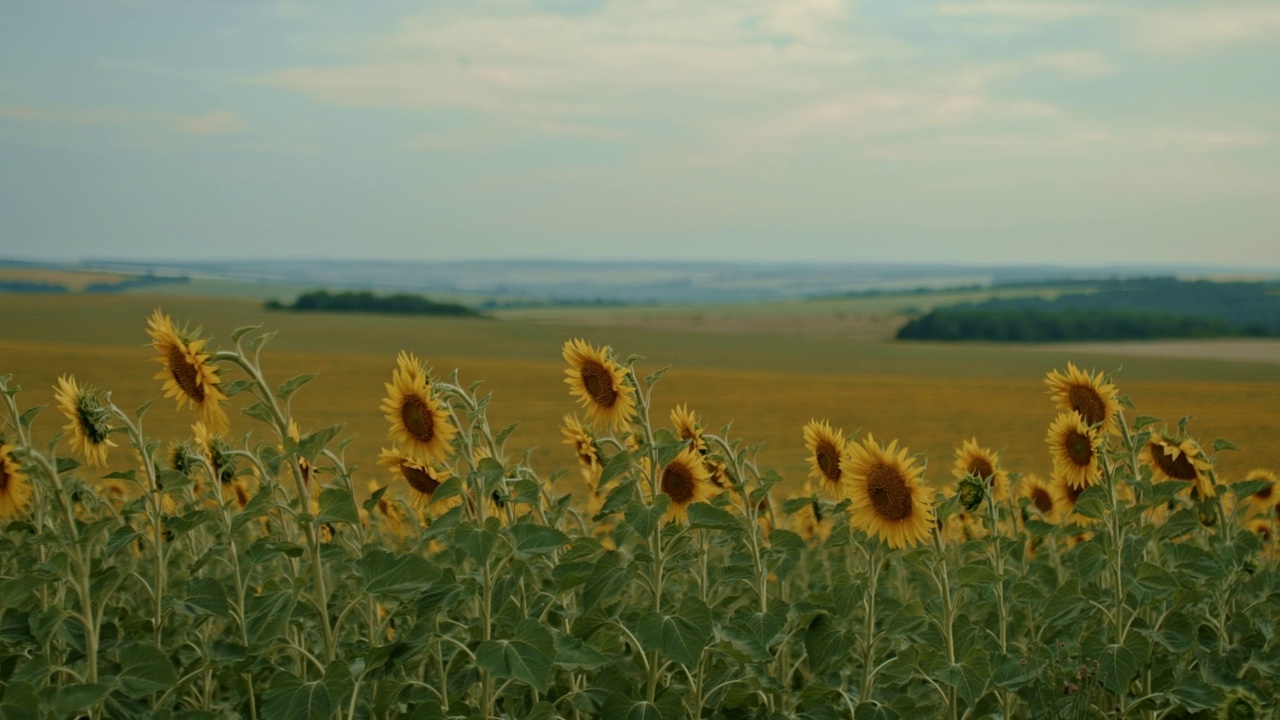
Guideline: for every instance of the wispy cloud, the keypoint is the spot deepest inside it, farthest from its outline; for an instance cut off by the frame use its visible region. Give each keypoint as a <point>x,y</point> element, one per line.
<point>1076,63</point>
<point>1208,26</point>
<point>207,125</point>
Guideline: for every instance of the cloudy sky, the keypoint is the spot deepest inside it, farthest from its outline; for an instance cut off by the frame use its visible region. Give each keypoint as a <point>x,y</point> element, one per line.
<point>878,130</point>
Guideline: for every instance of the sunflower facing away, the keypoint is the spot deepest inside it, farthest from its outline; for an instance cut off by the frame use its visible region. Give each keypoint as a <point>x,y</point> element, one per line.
<point>982,463</point>
<point>686,482</point>
<point>423,479</point>
<point>584,446</point>
<point>600,385</point>
<point>688,428</point>
<point>826,453</point>
<point>887,494</point>
<point>1171,459</point>
<point>15,489</point>
<point>1040,495</point>
<point>88,427</point>
<point>1074,449</point>
<point>188,375</point>
<point>1089,395</point>
<point>419,422</point>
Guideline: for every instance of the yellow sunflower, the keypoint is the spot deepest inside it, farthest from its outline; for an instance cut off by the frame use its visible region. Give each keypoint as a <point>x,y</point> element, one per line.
<point>686,482</point>
<point>188,375</point>
<point>419,421</point>
<point>1090,395</point>
<point>719,474</point>
<point>584,446</point>
<point>1173,459</point>
<point>982,463</point>
<point>809,522</point>
<point>888,498</point>
<point>689,428</point>
<point>826,455</point>
<point>391,514</point>
<point>1074,449</point>
<point>1040,495</point>
<point>1265,500</point>
<point>89,424</point>
<point>423,479</point>
<point>1065,496</point>
<point>296,435</point>
<point>600,385</point>
<point>113,491</point>
<point>15,489</point>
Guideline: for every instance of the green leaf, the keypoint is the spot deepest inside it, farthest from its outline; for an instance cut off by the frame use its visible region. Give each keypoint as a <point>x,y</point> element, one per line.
<point>705,517</point>
<point>310,446</point>
<point>20,701</point>
<point>1143,421</point>
<point>1192,694</point>
<point>207,596</point>
<point>618,500</point>
<point>524,657</point>
<point>16,592</point>
<point>68,699</point>
<point>144,669</point>
<point>289,698</point>
<point>573,654</point>
<point>258,342</point>
<point>607,581</point>
<point>394,575</point>
<point>338,505</point>
<point>974,573</point>
<point>477,541</point>
<point>825,643</point>
<point>682,636</point>
<point>1117,668</point>
<point>1092,502</point>
<point>258,506</point>
<point>242,331</point>
<point>1223,444</point>
<point>645,519</point>
<point>533,539</point>
<point>261,413</point>
<point>290,386</point>
<point>453,486</point>
<point>617,465</point>
<point>267,616</point>
<point>29,415</point>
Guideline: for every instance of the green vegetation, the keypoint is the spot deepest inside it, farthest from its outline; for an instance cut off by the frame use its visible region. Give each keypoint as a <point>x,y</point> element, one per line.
<point>367,302</point>
<point>24,286</point>
<point>1137,309</point>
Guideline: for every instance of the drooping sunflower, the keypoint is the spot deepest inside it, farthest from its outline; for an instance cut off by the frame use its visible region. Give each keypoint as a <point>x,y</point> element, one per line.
<point>1074,449</point>
<point>827,449</point>
<point>296,435</point>
<point>1090,395</point>
<point>718,471</point>
<point>584,446</point>
<point>686,482</point>
<point>982,463</point>
<point>15,488</point>
<point>600,385</point>
<point>188,375</point>
<point>423,479</point>
<point>419,422</point>
<point>89,418</point>
<point>888,498</point>
<point>1040,495</point>
<point>1264,501</point>
<point>1172,459</point>
<point>689,428</point>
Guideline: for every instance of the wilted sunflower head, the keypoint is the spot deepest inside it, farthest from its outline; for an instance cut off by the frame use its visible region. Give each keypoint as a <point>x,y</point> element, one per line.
<point>826,454</point>
<point>188,374</point>
<point>686,482</point>
<point>980,462</point>
<point>90,420</point>
<point>1091,396</point>
<point>15,488</point>
<point>1074,447</point>
<point>886,492</point>
<point>1178,459</point>
<point>423,480</point>
<point>687,426</point>
<point>419,422</point>
<point>600,384</point>
<point>584,447</point>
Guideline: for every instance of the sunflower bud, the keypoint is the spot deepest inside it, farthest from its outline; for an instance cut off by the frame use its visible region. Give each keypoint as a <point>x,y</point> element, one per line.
<point>971,491</point>
<point>1238,706</point>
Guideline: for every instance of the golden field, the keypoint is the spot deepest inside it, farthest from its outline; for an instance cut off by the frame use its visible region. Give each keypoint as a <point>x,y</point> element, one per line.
<point>930,397</point>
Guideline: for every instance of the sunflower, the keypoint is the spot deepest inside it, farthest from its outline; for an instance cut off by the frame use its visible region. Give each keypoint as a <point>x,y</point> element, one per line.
<point>686,482</point>
<point>88,416</point>
<point>1089,395</point>
<point>584,446</point>
<point>981,463</point>
<point>113,491</point>
<point>809,522</point>
<point>1040,495</point>
<point>688,428</point>
<point>1181,460</point>
<point>418,420</point>
<point>391,515</point>
<point>888,497</point>
<point>423,479</point>
<point>826,455</point>
<point>1265,500</point>
<point>305,467</point>
<point>15,489</point>
<point>600,384</point>
<point>1065,496</point>
<point>216,452</point>
<point>719,474</point>
<point>188,375</point>
<point>241,492</point>
<point>1074,448</point>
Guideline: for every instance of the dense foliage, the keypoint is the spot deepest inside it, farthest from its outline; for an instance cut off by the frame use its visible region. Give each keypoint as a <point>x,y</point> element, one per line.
<point>367,302</point>
<point>244,576</point>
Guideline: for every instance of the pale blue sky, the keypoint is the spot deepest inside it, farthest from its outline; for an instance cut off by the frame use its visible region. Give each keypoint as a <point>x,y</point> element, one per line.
<point>889,130</point>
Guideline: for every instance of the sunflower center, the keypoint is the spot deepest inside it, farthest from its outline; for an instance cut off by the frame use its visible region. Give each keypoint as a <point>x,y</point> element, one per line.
<point>419,479</point>
<point>828,461</point>
<point>1088,403</point>
<point>1264,493</point>
<point>598,381</point>
<point>1043,502</point>
<point>1178,468</point>
<point>979,467</point>
<point>185,374</point>
<point>92,418</point>
<point>889,493</point>
<point>418,419</point>
<point>678,484</point>
<point>1079,448</point>
<point>4,476</point>
<point>1074,493</point>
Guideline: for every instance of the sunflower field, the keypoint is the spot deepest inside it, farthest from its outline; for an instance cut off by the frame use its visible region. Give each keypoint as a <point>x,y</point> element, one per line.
<point>247,572</point>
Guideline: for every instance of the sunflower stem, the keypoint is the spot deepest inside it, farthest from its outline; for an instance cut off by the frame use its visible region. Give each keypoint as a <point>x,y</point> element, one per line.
<point>942,577</point>
<point>869,604</point>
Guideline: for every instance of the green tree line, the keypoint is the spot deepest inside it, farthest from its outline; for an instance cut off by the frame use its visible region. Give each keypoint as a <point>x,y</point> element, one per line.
<point>367,302</point>
<point>1022,325</point>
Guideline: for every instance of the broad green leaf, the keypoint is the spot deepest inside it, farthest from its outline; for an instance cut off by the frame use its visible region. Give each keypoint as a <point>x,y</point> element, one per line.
<point>292,699</point>
<point>207,596</point>
<point>706,517</point>
<point>16,592</point>
<point>144,669</point>
<point>338,505</point>
<point>618,499</point>
<point>608,580</point>
<point>388,574</point>
<point>258,506</point>
<point>267,616</point>
<point>19,701</point>
<point>525,657</point>
<point>1117,668</point>
<point>242,331</point>
<point>477,541</point>
<point>290,386</point>
<point>826,644</point>
<point>616,465</point>
<point>574,654</point>
<point>681,636</point>
<point>69,699</point>
<point>311,445</point>
<point>533,539</point>
<point>976,573</point>
<point>645,519</point>
<point>1223,444</point>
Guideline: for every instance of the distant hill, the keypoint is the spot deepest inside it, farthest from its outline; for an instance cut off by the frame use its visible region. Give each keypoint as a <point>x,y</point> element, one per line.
<point>367,302</point>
